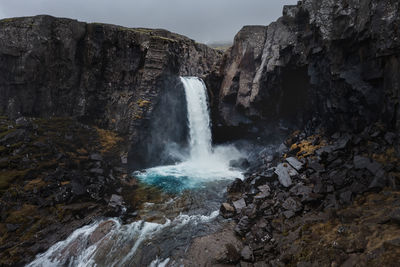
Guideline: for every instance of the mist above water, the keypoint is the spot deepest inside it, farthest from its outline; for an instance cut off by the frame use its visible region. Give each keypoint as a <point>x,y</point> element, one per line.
<point>204,163</point>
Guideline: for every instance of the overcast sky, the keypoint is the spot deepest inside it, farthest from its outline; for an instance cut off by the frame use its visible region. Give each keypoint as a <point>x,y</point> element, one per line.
<point>203,20</point>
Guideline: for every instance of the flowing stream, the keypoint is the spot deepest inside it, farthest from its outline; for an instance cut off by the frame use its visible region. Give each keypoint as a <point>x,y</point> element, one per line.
<point>164,232</point>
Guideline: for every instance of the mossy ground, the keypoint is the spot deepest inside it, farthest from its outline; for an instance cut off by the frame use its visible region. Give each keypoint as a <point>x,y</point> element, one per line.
<point>362,233</point>
<point>28,183</point>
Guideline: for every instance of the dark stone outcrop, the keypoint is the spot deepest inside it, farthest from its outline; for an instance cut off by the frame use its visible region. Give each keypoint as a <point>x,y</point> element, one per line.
<point>333,190</point>
<point>106,75</point>
<point>336,61</point>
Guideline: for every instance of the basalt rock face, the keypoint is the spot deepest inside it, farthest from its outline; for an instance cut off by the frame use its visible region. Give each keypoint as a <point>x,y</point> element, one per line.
<point>336,61</point>
<point>105,75</point>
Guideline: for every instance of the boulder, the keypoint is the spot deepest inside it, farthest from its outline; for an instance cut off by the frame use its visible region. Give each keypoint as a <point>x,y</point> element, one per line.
<point>239,204</point>
<point>283,175</point>
<point>243,226</point>
<point>247,254</point>
<point>226,210</point>
<point>295,163</point>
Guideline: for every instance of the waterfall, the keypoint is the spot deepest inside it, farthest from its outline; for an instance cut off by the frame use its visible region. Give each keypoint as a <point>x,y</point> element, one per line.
<point>198,117</point>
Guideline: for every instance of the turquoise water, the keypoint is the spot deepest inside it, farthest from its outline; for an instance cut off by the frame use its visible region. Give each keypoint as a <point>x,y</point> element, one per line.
<point>193,174</point>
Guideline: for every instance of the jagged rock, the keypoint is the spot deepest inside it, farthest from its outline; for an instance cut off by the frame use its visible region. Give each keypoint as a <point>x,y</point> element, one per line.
<point>292,205</point>
<point>365,163</point>
<point>283,175</point>
<point>264,177</point>
<point>92,79</point>
<point>243,226</point>
<point>239,204</point>
<point>310,49</point>
<point>295,163</point>
<point>316,166</point>
<point>116,201</point>
<point>236,186</point>
<point>265,191</point>
<point>240,163</point>
<point>226,210</point>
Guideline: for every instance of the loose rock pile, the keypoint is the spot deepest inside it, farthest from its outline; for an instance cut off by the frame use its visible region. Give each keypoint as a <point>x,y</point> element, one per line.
<point>307,182</point>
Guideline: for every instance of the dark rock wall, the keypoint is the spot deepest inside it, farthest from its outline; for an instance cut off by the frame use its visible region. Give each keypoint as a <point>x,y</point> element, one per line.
<point>105,75</point>
<point>337,61</point>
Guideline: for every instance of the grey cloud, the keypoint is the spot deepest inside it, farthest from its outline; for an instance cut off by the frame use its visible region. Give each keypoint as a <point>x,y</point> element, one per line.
<point>204,21</point>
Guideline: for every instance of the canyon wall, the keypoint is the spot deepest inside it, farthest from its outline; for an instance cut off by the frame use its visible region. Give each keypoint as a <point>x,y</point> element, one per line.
<point>329,62</point>
<point>110,76</point>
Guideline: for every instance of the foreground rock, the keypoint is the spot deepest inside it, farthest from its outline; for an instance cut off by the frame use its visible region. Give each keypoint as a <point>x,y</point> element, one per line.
<point>290,217</point>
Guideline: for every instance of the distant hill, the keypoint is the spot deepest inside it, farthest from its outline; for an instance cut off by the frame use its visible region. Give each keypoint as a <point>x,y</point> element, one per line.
<point>220,45</point>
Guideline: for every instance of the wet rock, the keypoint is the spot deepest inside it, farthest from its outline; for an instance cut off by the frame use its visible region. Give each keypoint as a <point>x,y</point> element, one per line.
<point>101,231</point>
<point>264,177</point>
<point>236,186</point>
<point>282,149</point>
<point>295,163</point>
<point>283,175</point>
<point>241,163</point>
<point>243,226</point>
<point>116,201</point>
<point>226,210</point>
<point>239,204</point>
<point>247,254</point>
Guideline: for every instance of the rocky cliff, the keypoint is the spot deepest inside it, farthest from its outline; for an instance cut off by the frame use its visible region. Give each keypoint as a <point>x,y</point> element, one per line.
<point>335,61</point>
<point>106,75</point>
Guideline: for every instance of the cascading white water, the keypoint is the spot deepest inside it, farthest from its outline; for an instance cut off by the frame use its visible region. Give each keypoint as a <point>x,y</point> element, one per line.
<point>204,163</point>
<point>198,117</point>
<point>124,245</point>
